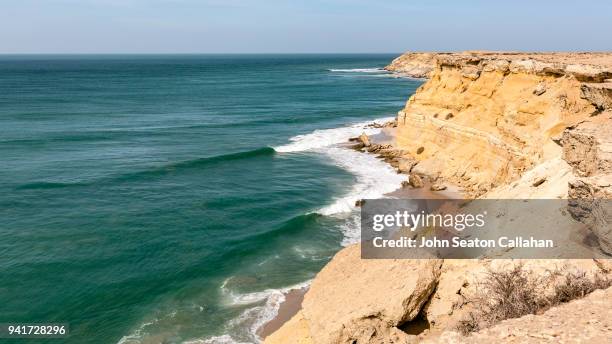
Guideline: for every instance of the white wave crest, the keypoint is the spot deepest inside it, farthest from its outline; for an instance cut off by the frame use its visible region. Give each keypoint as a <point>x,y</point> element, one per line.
<point>224,339</point>
<point>351,229</point>
<point>327,137</point>
<point>359,70</point>
<point>375,178</point>
<point>245,327</point>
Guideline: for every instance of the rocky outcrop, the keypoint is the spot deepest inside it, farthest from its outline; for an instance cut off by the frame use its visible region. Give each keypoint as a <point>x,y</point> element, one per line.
<point>483,119</point>
<point>587,147</point>
<point>414,65</point>
<point>360,301</point>
<point>500,125</point>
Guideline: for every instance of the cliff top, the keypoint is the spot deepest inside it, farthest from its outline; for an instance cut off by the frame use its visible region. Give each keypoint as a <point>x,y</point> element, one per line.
<point>603,59</point>
<point>593,65</point>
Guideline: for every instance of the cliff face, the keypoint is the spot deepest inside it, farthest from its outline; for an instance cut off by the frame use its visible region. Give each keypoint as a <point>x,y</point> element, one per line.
<point>414,65</point>
<point>502,125</point>
<point>483,119</point>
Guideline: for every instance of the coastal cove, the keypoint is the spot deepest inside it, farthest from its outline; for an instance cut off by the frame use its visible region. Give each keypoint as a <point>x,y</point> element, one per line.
<point>185,217</point>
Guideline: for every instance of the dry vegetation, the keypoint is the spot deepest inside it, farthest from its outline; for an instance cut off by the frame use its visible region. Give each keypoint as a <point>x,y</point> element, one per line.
<point>518,291</point>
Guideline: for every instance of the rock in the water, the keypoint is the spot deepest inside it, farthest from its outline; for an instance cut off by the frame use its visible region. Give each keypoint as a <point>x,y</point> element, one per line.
<point>364,139</point>
<point>437,187</point>
<point>357,146</point>
<point>359,202</point>
<point>373,148</point>
<point>415,180</point>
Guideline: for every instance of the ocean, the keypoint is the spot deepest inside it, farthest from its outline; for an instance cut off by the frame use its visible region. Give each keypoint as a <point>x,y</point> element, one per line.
<point>173,198</point>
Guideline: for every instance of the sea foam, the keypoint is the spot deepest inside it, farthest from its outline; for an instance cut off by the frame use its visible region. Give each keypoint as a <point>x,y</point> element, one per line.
<point>246,326</point>
<point>359,70</point>
<point>374,177</point>
<point>321,138</point>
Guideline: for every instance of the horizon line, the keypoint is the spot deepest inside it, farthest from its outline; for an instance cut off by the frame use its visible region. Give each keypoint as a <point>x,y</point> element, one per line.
<point>195,53</point>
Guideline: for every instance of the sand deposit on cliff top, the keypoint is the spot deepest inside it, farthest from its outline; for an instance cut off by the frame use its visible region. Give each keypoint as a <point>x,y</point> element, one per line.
<point>420,64</point>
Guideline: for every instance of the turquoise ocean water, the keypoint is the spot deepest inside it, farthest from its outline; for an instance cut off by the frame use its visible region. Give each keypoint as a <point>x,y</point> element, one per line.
<point>171,199</point>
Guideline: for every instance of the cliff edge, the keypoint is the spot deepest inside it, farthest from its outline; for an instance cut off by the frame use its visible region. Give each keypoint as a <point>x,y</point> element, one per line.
<point>499,125</point>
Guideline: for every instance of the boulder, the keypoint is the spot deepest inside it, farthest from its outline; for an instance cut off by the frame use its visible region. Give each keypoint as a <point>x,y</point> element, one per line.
<point>364,139</point>
<point>406,164</point>
<point>539,89</point>
<point>354,300</point>
<point>415,180</point>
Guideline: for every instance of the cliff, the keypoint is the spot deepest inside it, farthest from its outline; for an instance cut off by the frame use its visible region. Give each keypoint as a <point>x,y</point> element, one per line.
<point>500,125</point>
<point>482,120</point>
<point>414,65</point>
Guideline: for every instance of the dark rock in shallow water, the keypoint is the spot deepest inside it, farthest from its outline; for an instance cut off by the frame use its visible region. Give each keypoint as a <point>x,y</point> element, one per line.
<point>357,146</point>
<point>359,202</point>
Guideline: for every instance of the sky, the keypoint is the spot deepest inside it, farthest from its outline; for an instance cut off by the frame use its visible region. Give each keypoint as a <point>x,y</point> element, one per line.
<point>307,26</point>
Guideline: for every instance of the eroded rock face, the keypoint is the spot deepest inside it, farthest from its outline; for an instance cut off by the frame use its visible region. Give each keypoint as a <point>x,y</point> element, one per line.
<point>494,123</point>
<point>598,94</point>
<point>353,300</point>
<point>483,118</point>
<point>587,147</point>
<point>415,65</point>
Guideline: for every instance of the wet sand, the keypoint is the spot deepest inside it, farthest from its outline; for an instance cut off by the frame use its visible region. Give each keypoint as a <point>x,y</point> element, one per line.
<point>287,309</point>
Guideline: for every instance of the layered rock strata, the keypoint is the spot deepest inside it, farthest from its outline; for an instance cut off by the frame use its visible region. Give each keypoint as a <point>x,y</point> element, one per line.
<point>501,125</point>
<point>482,120</point>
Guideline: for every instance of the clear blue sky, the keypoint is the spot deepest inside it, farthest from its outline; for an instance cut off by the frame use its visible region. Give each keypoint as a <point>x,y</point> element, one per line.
<point>269,26</point>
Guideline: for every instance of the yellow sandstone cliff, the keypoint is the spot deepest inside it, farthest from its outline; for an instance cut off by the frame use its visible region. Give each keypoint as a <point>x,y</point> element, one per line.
<point>485,118</point>
<point>500,125</point>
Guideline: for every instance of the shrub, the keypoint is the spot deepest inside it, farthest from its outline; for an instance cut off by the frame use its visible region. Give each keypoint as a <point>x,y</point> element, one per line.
<point>516,292</point>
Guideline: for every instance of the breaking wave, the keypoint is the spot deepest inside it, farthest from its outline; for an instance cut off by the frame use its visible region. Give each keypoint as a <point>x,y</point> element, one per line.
<point>374,177</point>
<point>359,70</point>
